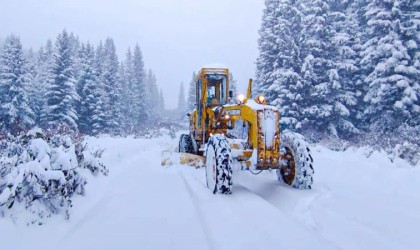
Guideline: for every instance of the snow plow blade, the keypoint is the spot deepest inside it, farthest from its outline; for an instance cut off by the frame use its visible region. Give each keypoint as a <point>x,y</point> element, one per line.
<point>171,158</point>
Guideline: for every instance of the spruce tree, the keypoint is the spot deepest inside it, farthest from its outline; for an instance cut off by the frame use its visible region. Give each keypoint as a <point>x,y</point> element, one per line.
<point>101,121</point>
<point>279,64</point>
<point>268,47</point>
<point>161,101</point>
<point>109,77</point>
<point>119,107</point>
<point>43,81</point>
<point>31,89</point>
<point>320,110</point>
<point>61,94</point>
<point>138,84</point>
<point>88,91</point>
<point>181,104</point>
<point>392,82</point>
<point>15,113</point>
<point>152,97</point>
<point>233,86</point>
<point>347,85</point>
<point>191,95</point>
<point>129,95</point>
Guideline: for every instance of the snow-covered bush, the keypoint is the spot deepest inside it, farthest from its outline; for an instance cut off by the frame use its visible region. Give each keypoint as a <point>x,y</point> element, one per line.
<point>41,172</point>
<point>403,142</point>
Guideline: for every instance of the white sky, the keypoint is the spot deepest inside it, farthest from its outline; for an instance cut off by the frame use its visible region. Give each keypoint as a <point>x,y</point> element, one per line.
<point>177,37</point>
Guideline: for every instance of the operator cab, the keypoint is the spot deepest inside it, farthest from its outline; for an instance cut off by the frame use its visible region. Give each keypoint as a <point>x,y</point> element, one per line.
<point>216,89</point>
<point>212,89</point>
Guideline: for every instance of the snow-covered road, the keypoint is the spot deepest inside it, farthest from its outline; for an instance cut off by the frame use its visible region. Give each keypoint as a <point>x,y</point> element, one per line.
<point>356,203</point>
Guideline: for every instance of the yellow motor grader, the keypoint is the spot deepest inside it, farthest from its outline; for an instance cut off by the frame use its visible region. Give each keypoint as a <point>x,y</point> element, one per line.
<point>242,133</point>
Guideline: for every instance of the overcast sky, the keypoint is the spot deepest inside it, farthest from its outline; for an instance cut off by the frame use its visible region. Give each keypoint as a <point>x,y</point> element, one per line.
<point>177,37</point>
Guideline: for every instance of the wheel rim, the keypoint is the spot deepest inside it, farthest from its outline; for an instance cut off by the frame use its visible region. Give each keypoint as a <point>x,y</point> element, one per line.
<point>288,172</point>
<point>211,167</point>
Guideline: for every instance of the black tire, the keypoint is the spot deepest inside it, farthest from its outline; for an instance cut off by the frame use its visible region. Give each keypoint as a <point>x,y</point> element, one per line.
<point>185,144</point>
<point>219,165</point>
<point>298,170</point>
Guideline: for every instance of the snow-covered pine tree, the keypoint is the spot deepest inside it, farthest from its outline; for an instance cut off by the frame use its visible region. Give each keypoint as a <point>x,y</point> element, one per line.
<point>44,78</point>
<point>268,48</point>
<point>101,96</point>
<point>161,101</point>
<point>191,95</point>
<point>61,94</point>
<point>352,75</point>
<point>129,95</point>
<point>279,64</point>
<point>109,77</point>
<point>152,97</point>
<point>322,109</point>
<point>181,104</point>
<point>35,93</point>
<point>122,95</point>
<point>182,117</point>
<point>233,87</point>
<point>99,58</point>
<point>15,113</point>
<point>31,65</point>
<point>139,107</point>
<point>41,79</point>
<point>349,87</point>
<point>393,95</point>
<point>74,50</point>
<point>410,33</point>
<point>87,90</point>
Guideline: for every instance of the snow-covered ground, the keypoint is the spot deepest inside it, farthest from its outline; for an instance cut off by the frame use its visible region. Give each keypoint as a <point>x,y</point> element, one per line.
<point>356,203</point>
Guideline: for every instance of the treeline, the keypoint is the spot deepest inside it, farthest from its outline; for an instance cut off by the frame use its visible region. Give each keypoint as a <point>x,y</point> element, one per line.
<point>76,84</point>
<point>342,68</point>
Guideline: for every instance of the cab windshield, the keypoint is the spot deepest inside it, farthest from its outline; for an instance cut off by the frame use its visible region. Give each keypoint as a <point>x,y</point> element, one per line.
<point>216,89</point>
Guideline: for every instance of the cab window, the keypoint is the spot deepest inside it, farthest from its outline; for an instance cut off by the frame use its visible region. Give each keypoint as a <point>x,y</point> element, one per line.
<point>216,89</point>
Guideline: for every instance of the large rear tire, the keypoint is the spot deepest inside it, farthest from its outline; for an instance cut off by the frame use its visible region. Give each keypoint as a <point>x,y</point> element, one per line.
<point>219,165</point>
<point>185,144</point>
<point>297,163</point>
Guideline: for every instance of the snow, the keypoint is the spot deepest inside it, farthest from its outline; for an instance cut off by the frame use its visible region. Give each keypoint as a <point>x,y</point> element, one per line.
<point>256,106</point>
<point>356,203</point>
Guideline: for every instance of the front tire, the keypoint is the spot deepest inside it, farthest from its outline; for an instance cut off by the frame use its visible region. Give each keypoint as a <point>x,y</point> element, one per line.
<point>297,170</point>
<point>186,144</point>
<point>219,165</point>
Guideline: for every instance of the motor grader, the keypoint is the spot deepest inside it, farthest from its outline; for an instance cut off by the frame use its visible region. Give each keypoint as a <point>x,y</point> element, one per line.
<point>242,134</point>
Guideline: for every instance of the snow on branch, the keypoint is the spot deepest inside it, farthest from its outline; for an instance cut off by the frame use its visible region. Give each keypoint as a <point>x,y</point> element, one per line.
<point>43,171</point>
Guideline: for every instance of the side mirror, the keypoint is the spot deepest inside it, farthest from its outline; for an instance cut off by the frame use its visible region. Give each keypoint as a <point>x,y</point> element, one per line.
<point>230,93</point>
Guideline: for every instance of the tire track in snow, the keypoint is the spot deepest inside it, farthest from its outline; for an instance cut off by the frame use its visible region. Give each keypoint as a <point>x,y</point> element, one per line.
<point>365,230</point>
<point>282,212</point>
<point>116,173</point>
<point>305,207</point>
<point>243,197</point>
<point>200,214</point>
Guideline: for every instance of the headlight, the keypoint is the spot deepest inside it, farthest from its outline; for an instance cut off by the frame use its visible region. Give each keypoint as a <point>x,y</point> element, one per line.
<point>241,99</point>
<point>227,117</point>
<point>261,99</point>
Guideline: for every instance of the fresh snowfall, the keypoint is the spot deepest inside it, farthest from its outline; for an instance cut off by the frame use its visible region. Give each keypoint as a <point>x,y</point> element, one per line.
<point>360,200</point>
<point>90,149</point>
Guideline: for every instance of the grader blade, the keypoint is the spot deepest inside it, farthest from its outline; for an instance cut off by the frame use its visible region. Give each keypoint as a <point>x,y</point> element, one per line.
<point>173,158</point>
